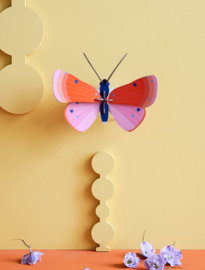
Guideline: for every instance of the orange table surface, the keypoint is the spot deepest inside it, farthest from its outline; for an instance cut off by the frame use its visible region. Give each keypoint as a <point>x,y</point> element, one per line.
<point>80,259</point>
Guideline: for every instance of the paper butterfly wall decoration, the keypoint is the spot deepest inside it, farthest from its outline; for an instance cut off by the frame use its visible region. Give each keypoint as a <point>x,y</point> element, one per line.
<point>126,103</point>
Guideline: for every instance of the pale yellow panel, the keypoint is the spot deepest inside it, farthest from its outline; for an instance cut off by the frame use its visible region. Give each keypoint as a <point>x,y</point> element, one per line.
<point>46,174</point>
<point>21,33</point>
<point>102,189</point>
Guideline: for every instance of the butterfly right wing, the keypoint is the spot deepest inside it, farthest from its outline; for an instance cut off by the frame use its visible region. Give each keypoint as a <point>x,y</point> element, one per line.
<point>141,92</point>
<point>127,116</point>
<point>81,115</point>
<point>68,88</point>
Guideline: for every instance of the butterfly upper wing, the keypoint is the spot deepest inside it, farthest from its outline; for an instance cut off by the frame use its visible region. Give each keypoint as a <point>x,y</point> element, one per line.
<point>141,93</point>
<point>127,116</point>
<point>68,88</point>
<point>81,115</point>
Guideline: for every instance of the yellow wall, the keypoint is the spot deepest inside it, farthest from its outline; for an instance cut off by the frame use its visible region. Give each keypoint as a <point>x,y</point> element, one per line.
<point>46,175</point>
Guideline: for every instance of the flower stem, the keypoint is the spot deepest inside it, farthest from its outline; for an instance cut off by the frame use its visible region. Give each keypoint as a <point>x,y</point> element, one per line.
<point>22,241</point>
<point>143,235</point>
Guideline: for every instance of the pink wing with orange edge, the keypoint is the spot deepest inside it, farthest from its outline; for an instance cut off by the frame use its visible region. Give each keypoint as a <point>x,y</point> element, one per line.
<point>68,88</point>
<point>81,115</point>
<point>127,116</point>
<point>141,93</point>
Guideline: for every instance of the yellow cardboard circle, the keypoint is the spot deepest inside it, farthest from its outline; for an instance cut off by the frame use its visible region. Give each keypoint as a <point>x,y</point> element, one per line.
<point>102,211</point>
<point>22,88</point>
<point>103,233</point>
<point>21,30</point>
<point>103,163</point>
<point>103,189</point>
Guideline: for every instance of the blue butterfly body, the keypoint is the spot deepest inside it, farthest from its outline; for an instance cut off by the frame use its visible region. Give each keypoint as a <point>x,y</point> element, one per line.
<point>104,108</point>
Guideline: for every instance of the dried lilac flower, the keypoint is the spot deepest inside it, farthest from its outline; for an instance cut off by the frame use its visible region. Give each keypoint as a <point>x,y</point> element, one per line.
<point>32,257</point>
<point>172,255</point>
<point>131,260</point>
<point>156,262</point>
<point>147,249</point>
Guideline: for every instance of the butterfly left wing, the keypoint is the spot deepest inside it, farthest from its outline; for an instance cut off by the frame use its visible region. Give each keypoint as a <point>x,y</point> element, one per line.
<point>81,115</point>
<point>141,92</point>
<point>127,116</point>
<point>68,88</point>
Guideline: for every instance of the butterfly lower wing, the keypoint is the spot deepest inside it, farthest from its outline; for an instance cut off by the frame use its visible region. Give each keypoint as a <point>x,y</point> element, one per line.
<point>141,93</point>
<point>81,115</point>
<point>68,88</point>
<point>127,116</point>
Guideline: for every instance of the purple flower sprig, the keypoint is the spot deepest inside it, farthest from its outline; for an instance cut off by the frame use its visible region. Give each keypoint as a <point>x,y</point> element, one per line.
<point>157,261</point>
<point>171,255</point>
<point>32,257</point>
<point>147,249</point>
<point>131,260</point>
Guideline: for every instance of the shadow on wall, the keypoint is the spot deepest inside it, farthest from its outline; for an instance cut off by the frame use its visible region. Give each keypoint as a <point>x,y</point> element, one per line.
<point>4,4</point>
<point>5,59</point>
<point>44,130</point>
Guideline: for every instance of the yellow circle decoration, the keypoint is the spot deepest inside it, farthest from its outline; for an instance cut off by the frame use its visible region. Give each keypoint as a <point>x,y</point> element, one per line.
<point>21,32</point>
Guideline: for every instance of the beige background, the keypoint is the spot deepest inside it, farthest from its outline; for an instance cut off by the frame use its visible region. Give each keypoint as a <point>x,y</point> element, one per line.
<point>46,176</point>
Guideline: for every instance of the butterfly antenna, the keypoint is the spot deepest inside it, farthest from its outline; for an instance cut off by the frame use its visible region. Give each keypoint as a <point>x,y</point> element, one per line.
<point>92,67</point>
<point>116,66</point>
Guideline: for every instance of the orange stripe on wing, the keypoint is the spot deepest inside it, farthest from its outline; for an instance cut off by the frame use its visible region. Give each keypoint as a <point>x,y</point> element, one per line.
<point>80,91</point>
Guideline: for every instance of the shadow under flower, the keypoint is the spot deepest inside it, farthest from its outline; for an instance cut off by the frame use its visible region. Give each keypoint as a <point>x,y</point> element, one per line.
<point>119,265</point>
